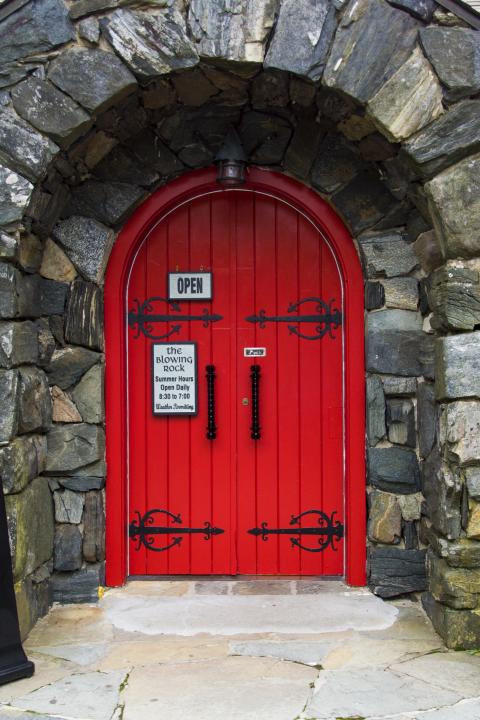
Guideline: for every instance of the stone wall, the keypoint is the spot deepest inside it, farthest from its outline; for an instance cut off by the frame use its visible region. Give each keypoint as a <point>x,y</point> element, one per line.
<point>376,109</point>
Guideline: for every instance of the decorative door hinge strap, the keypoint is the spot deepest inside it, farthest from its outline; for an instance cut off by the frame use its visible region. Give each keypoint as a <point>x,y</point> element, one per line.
<point>327,530</point>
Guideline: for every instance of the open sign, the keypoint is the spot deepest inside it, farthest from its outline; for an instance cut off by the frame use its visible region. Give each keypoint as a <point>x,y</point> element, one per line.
<point>190,286</point>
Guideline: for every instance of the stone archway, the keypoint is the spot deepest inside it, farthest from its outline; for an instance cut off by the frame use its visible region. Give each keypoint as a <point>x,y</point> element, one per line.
<point>103,105</point>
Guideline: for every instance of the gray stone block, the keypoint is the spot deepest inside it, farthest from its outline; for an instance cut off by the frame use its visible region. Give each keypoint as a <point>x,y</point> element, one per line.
<point>384,518</point>
<point>88,244</point>
<point>82,484</point>
<point>68,364</point>
<point>67,552</point>
<point>94,528</point>
<point>472,479</point>
<point>22,148</point>
<point>72,446</point>
<point>336,164</point>
<point>442,489</point>
<point>89,29</point>
<point>35,405</point>
<point>294,47</point>
<point>427,418</point>
<point>399,386</point>
<point>394,571</point>
<point>151,43</point>
<point>107,202</point>
<point>400,352</point>
<point>385,35</point>
<point>459,629</point>
<point>427,249</point>
<point>446,140</point>
<point>303,147</point>
<point>374,295</point>
<point>376,428</point>
<point>401,422</point>
<point>364,201</point>
<point>387,254</point>
<point>21,461</point>
<point>84,315</point>
<point>88,395</point>
<point>393,470</point>
<point>459,431</point>
<point>457,366</point>
<point>15,194</point>
<point>30,523</point>
<point>421,9</point>
<point>454,202</point>
<point>9,399</point>
<point>96,79</point>
<point>68,507</point>
<point>454,297</point>
<point>123,165</point>
<point>455,55</point>
<point>264,137</point>
<point>269,89</point>
<point>79,586</point>
<point>18,343</point>
<point>50,111</point>
<point>8,246</point>
<point>401,293</point>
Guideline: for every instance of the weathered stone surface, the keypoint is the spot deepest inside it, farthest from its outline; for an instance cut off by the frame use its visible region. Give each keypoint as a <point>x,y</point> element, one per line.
<point>15,194</point>
<point>55,264</point>
<point>454,297</point>
<point>399,352</point>
<point>30,252</point>
<point>37,27</point>
<point>408,101</point>
<point>151,43</point>
<point>35,406</point>
<point>49,110</point>
<point>63,409</point>
<point>410,506</point>
<point>401,422</point>
<point>72,446</point>
<point>81,483</point>
<point>38,296</point>
<point>427,417</point>
<point>427,250</point>
<point>401,293</point>
<point>158,94</point>
<point>393,571</point>
<point>68,506</point>
<point>8,246</point>
<point>472,479</point>
<point>456,587</point>
<point>94,78</point>
<point>236,32</point>
<point>473,526</point>
<point>89,29</point>
<point>455,55</point>
<point>372,29</point>
<point>421,9</point>
<point>33,599</point>
<point>68,364</point>
<point>88,244</point>
<point>442,490</point>
<point>303,147</point>
<point>265,137</point>
<point>80,8</point>
<point>79,586</point>
<point>393,470</point>
<point>399,386</point>
<point>30,525</point>
<point>454,202</point>
<point>374,295</point>
<point>67,551</point>
<point>110,203</point>
<point>269,89</point>
<point>9,394</point>
<point>364,201</point>
<point>123,165</point>
<point>88,395</point>
<point>376,428</point>
<point>18,343</point>
<point>302,37</point>
<point>336,164</point>
<point>460,431</point>
<point>356,126</point>
<point>410,535</point>
<point>84,315</point>
<point>386,254</point>
<point>460,553</point>
<point>21,461</point>
<point>384,518</point>
<point>460,629</point>
<point>447,140</point>
<point>457,366</point>
<point>94,528</point>
<point>22,148</point>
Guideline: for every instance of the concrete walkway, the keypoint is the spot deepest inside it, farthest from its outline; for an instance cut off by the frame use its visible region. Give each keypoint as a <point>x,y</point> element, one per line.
<point>242,650</point>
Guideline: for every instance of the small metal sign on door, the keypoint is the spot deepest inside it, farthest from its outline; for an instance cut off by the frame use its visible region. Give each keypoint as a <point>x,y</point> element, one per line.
<point>190,286</point>
<point>174,378</point>
<point>254,352</point>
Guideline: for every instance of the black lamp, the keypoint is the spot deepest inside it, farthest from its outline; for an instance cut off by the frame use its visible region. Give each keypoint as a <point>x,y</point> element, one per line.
<point>231,161</point>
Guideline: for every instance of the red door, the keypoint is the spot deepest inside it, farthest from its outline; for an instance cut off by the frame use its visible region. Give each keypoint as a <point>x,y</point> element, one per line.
<point>266,494</point>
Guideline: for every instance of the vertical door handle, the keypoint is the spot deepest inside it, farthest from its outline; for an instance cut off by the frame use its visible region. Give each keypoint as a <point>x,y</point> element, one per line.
<point>211,427</point>
<point>255,380</point>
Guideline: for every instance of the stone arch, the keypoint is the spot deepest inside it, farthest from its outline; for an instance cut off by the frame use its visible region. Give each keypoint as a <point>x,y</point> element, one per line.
<point>357,100</point>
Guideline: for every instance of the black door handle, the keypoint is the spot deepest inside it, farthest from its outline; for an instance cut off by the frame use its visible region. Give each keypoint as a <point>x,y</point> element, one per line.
<point>255,380</point>
<point>211,427</point>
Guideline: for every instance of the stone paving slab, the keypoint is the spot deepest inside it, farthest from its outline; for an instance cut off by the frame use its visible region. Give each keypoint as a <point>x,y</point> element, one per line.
<point>464,710</point>
<point>459,672</point>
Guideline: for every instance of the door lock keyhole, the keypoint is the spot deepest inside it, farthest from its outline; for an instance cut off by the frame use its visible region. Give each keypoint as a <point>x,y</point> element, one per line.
<point>244,401</point>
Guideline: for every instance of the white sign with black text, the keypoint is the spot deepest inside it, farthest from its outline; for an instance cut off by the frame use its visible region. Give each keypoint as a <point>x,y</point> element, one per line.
<point>174,378</point>
<point>254,352</point>
<point>190,286</point>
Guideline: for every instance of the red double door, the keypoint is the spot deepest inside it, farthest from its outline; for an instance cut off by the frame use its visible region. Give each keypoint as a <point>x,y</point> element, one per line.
<point>266,494</point>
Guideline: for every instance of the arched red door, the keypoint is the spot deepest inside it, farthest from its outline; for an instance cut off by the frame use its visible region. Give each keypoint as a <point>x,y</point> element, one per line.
<point>236,406</point>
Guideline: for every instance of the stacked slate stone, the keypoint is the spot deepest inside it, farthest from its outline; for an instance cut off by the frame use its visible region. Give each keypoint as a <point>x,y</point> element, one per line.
<point>372,103</point>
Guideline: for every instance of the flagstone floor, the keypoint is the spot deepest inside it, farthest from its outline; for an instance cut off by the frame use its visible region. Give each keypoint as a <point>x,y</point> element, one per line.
<point>242,650</point>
